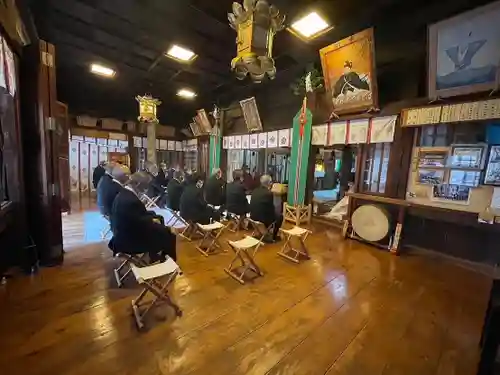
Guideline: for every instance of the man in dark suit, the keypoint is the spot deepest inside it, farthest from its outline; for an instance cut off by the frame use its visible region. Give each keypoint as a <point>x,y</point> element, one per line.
<point>136,230</point>
<point>110,186</point>
<point>175,189</point>
<point>99,171</point>
<point>262,206</point>
<point>214,189</point>
<point>236,200</point>
<point>193,206</point>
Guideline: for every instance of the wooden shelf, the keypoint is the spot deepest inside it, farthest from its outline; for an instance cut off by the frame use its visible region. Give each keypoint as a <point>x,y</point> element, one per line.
<point>434,149</point>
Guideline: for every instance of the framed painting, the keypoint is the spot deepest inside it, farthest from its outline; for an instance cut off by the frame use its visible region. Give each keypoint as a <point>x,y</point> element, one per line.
<point>464,57</point>
<point>349,73</point>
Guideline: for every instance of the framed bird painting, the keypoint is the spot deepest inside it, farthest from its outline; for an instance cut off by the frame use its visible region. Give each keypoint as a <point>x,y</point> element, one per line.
<point>349,73</point>
<point>464,56</point>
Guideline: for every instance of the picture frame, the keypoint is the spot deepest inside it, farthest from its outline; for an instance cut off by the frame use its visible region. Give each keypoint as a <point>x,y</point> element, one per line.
<point>463,56</point>
<point>492,174</point>
<point>467,156</point>
<point>430,176</point>
<point>448,193</point>
<point>350,74</point>
<point>464,177</point>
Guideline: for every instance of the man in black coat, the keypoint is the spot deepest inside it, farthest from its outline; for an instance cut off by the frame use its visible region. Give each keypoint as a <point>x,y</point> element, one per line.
<point>99,171</point>
<point>110,186</point>
<point>136,230</point>
<point>262,206</point>
<point>193,206</point>
<point>175,189</point>
<point>214,189</point>
<point>236,200</point>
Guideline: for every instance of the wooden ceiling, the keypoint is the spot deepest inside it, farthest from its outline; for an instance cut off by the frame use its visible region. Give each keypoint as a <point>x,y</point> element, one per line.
<point>133,35</point>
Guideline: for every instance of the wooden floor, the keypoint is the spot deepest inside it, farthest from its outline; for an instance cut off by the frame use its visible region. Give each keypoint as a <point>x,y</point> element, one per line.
<point>351,309</point>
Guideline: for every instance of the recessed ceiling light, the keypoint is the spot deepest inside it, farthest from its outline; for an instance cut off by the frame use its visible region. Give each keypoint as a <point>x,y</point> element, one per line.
<point>102,70</point>
<point>186,93</point>
<point>310,25</point>
<point>181,53</point>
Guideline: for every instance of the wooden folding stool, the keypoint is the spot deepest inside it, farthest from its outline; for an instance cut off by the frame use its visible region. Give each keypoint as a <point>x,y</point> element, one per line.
<point>259,230</point>
<point>235,222</point>
<point>210,242</point>
<point>288,251</point>
<point>175,218</point>
<point>244,252</point>
<point>149,202</point>
<point>128,260</point>
<point>107,230</point>
<point>190,231</point>
<point>149,278</point>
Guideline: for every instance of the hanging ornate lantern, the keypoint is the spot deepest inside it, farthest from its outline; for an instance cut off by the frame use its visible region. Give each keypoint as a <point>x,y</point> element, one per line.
<point>147,108</point>
<point>256,23</point>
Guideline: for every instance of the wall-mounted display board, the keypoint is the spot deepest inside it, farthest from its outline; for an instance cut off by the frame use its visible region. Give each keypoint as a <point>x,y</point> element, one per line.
<point>450,113</point>
<point>464,57</point>
<point>272,139</point>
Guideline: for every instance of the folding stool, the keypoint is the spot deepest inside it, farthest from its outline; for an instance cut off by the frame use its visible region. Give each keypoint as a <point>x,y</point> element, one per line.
<point>210,241</point>
<point>107,230</point>
<point>190,231</point>
<point>148,277</point>
<point>175,218</point>
<point>128,260</point>
<point>259,230</point>
<point>244,252</point>
<point>235,222</point>
<point>149,202</point>
<point>288,251</point>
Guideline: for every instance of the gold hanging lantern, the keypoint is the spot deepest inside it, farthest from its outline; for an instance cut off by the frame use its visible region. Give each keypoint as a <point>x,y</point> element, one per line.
<point>147,108</point>
<point>256,23</point>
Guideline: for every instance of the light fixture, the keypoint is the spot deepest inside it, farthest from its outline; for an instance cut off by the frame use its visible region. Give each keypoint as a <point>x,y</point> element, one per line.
<point>102,70</point>
<point>310,26</point>
<point>181,54</point>
<point>186,93</point>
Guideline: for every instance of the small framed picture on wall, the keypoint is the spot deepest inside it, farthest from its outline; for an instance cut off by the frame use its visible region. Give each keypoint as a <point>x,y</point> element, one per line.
<point>492,175</point>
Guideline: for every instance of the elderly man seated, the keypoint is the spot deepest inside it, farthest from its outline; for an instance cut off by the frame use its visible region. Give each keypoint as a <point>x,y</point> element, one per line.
<point>262,206</point>
<point>214,189</point>
<point>236,200</point>
<point>193,206</point>
<point>136,230</point>
<point>110,185</point>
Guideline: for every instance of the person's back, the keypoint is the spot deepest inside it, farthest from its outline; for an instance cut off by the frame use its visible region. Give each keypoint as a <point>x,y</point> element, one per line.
<point>99,172</point>
<point>107,190</point>
<point>192,204</point>
<point>174,191</point>
<point>214,192</point>
<point>236,200</point>
<point>262,205</point>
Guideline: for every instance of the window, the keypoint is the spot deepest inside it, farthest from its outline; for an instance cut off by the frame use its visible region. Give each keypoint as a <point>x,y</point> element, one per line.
<point>375,167</point>
<point>434,136</point>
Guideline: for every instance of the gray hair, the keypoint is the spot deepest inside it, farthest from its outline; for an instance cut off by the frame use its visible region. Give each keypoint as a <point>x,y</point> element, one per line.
<point>266,180</point>
<point>139,181</point>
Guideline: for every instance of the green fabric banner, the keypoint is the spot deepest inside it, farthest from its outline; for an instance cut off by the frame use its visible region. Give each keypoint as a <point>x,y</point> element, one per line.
<point>215,148</point>
<point>299,159</point>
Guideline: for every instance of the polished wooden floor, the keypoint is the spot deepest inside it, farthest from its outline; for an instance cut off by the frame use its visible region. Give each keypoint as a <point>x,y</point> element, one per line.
<point>351,309</point>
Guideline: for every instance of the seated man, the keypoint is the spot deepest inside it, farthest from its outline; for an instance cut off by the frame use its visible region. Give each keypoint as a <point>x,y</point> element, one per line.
<point>262,206</point>
<point>136,230</point>
<point>236,200</point>
<point>214,189</point>
<point>109,186</point>
<point>174,191</point>
<point>155,188</point>
<point>193,206</point>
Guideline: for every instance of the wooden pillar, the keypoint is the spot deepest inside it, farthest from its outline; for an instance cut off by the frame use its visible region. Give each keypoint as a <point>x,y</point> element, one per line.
<point>132,153</point>
<point>345,171</point>
<point>151,142</point>
<point>43,190</point>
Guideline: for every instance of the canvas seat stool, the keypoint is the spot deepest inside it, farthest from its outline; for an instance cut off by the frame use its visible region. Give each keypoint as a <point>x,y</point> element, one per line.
<point>244,252</point>
<point>125,265</point>
<point>175,218</point>
<point>288,251</point>
<point>259,230</point>
<point>149,277</point>
<point>190,231</point>
<point>149,202</point>
<point>235,222</point>
<point>210,242</point>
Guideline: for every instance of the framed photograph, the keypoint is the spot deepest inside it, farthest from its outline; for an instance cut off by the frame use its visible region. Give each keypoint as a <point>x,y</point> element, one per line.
<point>464,177</point>
<point>430,176</point>
<point>466,157</point>
<point>447,193</point>
<point>432,160</point>
<point>463,53</point>
<point>492,175</point>
<point>349,72</point>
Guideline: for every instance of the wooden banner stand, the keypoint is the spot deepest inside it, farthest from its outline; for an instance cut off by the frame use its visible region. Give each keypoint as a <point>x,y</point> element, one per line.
<point>295,211</point>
